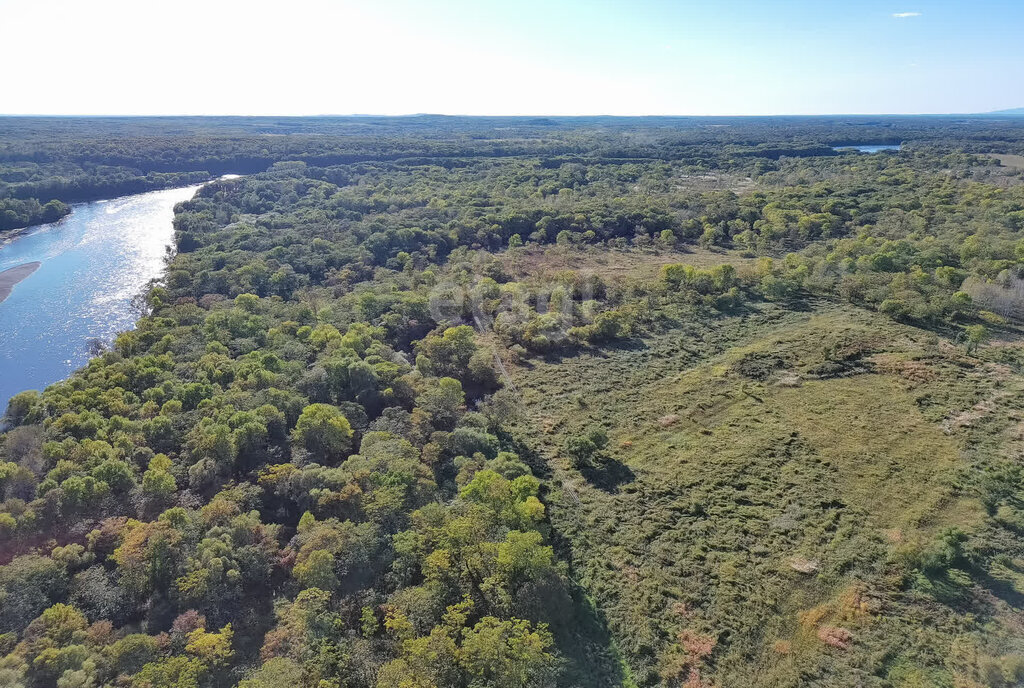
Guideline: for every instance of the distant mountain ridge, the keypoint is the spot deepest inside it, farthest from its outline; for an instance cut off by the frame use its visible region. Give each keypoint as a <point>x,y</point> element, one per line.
<point>1011,111</point>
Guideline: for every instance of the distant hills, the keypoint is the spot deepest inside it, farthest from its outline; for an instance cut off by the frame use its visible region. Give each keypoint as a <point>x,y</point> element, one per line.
<point>1011,111</point>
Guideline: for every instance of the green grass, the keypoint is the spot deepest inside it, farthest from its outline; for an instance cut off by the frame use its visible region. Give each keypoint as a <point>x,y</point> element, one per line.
<point>766,471</point>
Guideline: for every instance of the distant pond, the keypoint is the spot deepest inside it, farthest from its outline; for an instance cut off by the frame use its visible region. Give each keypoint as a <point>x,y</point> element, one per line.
<point>869,148</point>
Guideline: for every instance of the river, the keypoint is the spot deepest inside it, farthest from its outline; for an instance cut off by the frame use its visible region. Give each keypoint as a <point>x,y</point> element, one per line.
<point>90,266</point>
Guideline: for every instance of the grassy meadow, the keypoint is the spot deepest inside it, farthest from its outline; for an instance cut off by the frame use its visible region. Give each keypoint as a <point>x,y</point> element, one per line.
<point>768,475</point>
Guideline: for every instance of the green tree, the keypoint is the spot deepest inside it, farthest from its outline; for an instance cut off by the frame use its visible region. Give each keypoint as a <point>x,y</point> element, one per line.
<point>450,353</point>
<point>583,449</point>
<point>443,401</point>
<point>523,557</point>
<point>317,571</point>
<point>20,406</point>
<point>172,672</point>
<point>508,654</point>
<point>975,336</point>
<point>129,654</point>
<point>157,481</point>
<point>276,672</point>
<point>324,432</point>
<point>213,649</point>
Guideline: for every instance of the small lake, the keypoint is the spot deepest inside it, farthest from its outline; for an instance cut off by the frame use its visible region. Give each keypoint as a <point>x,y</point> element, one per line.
<point>870,148</point>
<point>91,265</point>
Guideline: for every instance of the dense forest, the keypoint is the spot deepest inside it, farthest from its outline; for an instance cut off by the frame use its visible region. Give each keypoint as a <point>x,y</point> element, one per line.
<point>437,402</point>
<point>81,159</point>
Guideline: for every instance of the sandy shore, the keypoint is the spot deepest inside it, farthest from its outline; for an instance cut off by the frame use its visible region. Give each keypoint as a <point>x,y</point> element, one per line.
<point>8,278</point>
<point>12,234</point>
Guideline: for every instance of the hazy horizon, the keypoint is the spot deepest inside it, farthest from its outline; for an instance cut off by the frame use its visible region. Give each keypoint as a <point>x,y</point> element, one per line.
<point>100,115</point>
<point>571,58</point>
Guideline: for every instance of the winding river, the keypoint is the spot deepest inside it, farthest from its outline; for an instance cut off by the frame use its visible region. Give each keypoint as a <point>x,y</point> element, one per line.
<point>72,282</point>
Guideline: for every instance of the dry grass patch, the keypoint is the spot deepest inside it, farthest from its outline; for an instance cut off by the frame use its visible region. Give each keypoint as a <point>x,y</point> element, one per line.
<point>548,261</point>
<point>1007,160</point>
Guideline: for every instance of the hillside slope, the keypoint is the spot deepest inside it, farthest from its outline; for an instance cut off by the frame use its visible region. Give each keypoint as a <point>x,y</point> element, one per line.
<point>771,482</point>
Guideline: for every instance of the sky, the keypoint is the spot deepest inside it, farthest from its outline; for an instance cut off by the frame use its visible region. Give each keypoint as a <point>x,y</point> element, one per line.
<point>519,57</point>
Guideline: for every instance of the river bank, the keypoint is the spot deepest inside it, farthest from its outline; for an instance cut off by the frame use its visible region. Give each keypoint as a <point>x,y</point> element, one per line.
<point>189,178</point>
<point>10,277</point>
<point>12,234</point>
<point>87,270</point>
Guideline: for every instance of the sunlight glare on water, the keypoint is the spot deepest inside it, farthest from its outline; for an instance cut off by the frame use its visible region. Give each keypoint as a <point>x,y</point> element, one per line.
<point>93,263</point>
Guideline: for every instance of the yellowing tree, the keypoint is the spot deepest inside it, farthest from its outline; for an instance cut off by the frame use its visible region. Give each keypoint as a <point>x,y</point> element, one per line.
<point>213,649</point>
<point>324,432</point>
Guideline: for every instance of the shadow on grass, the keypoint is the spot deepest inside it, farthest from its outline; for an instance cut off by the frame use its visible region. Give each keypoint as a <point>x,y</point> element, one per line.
<point>538,465</point>
<point>597,349</point>
<point>592,658</point>
<point>801,303</point>
<point>1002,589</point>
<point>957,589</point>
<point>629,344</point>
<point>608,475</point>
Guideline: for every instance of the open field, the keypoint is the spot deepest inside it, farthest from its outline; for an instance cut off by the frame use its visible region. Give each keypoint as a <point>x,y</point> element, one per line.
<point>1013,161</point>
<point>546,262</point>
<point>764,471</point>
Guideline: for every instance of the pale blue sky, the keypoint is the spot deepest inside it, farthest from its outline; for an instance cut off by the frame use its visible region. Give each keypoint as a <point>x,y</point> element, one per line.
<point>638,57</point>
